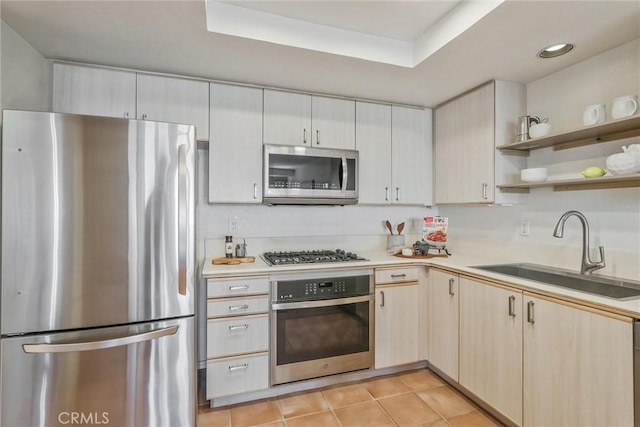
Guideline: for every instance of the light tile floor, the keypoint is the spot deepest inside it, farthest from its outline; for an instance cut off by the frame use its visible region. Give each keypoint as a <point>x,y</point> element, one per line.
<point>415,398</point>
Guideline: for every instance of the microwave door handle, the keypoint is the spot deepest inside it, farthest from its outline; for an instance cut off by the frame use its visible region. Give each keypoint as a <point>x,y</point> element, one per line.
<point>345,174</point>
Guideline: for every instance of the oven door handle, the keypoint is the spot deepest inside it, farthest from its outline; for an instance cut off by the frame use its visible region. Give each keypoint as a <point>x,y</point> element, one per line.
<point>320,303</point>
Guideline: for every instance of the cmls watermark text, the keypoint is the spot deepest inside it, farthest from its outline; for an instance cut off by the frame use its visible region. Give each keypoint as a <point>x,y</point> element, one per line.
<point>96,418</point>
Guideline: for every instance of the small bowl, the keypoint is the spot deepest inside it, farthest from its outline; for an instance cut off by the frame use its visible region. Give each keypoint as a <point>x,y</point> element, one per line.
<point>538,130</point>
<point>533,175</point>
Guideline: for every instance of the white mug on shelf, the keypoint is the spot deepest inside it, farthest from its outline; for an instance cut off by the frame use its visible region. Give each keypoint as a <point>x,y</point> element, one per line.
<point>593,114</point>
<point>624,106</point>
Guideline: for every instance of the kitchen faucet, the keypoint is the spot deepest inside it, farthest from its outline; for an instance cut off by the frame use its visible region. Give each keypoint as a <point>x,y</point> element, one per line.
<point>588,266</point>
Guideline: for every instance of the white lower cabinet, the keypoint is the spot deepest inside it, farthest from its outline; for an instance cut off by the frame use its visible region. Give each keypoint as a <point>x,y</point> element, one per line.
<point>578,365</point>
<point>235,375</point>
<point>491,345</point>
<point>442,321</point>
<point>237,336</point>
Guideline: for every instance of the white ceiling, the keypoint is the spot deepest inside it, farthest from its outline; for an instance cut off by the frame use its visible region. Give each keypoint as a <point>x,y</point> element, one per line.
<point>171,37</point>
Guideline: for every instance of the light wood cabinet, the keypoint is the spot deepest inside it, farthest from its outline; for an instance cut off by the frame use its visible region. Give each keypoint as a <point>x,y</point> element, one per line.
<point>411,156</point>
<point>292,118</point>
<point>174,100</point>
<point>237,336</point>
<point>442,321</point>
<point>395,154</point>
<point>373,142</point>
<point>333,122</point>
<point>93,91</point>
<point>235,144</point>
<point>467,131</point>
<point>491,345</point>
<point>578,365</point>
<point>397,318</point>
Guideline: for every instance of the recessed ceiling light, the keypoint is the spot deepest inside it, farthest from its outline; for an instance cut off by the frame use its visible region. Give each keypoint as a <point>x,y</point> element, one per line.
<point>555,50</point>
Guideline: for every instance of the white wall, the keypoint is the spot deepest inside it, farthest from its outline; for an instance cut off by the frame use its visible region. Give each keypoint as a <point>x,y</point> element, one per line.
<point>25,75</point>
<point>613,214</point>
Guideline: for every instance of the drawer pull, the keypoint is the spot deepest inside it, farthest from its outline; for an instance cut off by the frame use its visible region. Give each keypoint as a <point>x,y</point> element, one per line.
<point>238,307</point>
<point>398,276</point>
<point>238,367</point>
<point>236,327</point>
<point>239,288</point>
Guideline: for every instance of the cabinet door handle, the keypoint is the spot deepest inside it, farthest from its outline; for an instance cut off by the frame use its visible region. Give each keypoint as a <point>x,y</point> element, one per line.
<point>238,307</point>
<point>397,194</point>
<point>255,190</point>
<point>381,298</point>
<point>238,367</point>
<point>239,288</point>
<point>386,194</point>
<point>144,116</point>
<point>398,276</point>
<point>512,306</point>
<point>126,114</point>
<point>317,137</point>
<point>304,135</point>
<point>485,186</point>
<point>236,327</point>
<point>451,282</point>
<point>530,317</point>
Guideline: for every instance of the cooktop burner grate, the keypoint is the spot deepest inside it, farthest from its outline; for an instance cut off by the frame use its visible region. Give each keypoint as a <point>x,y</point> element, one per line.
<point>310,257</point>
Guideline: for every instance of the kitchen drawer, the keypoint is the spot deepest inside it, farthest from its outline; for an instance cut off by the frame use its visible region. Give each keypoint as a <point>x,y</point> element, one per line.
<point>222,307</point>
<point>397,275</point>
<point>235,375</point>
<point>237,335</point>
<point>232,287</point>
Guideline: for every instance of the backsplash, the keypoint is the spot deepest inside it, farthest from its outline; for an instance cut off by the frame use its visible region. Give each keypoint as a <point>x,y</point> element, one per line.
<point>266,228</point>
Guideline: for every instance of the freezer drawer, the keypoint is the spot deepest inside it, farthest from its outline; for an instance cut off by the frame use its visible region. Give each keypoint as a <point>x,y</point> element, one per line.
<point>133,375</point>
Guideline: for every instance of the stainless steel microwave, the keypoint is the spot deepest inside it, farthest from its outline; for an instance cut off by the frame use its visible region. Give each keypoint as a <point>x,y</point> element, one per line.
<point>296,175</point>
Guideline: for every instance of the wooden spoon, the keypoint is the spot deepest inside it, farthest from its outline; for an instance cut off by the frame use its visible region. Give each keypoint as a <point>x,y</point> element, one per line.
<point>388,224</point>
<point>400,227</point>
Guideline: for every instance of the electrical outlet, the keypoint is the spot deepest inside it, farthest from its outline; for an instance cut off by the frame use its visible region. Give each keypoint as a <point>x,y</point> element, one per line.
<point>524,228</point>
<point>233,225</point>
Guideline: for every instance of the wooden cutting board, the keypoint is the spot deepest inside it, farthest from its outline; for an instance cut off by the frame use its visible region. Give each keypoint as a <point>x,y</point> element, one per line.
<point>422,256</point>
<point>218,261</point>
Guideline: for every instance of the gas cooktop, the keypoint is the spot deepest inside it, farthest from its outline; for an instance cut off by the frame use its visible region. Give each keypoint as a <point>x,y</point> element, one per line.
<point>310,257</point>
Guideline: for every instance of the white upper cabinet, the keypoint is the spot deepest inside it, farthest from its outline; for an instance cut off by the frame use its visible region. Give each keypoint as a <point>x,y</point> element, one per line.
<point>333,123</point>
<point>287,118</point>
<point>467,131</point>
<point>313,121</point>
<point>373,142</point>
<point>411,156</point>
<point>94,91</point>
<point>175,100</point>
<point>235,144</point>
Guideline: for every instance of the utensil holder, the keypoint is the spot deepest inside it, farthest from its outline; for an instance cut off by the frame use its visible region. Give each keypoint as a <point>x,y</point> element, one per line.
<point>395,240</point>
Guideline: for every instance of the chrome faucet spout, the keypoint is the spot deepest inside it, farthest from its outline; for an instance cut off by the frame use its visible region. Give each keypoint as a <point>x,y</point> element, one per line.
<point>588,266</point>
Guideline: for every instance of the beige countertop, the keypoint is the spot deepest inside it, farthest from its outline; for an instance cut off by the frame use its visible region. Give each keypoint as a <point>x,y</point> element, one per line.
<point>457,263</point>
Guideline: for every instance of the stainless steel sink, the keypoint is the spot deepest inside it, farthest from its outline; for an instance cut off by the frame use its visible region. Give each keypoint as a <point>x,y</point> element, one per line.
<point>599,285</point>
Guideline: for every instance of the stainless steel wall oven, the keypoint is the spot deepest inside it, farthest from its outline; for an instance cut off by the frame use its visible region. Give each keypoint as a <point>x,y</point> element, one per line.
<point>322,324</point>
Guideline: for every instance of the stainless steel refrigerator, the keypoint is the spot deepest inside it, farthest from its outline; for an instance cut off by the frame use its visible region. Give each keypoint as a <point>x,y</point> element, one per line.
<point>98,267</point>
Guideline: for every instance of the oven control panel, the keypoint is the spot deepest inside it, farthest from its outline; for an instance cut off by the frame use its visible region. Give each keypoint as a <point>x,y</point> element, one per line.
<point>316,289</point>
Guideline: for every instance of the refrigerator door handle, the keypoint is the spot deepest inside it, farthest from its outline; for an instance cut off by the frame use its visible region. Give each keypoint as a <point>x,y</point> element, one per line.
<point>98,345</point>
<point>182,220</point>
